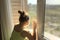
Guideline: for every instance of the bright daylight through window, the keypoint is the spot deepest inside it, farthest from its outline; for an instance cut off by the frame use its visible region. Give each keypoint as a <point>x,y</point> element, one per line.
<point>52,17</point>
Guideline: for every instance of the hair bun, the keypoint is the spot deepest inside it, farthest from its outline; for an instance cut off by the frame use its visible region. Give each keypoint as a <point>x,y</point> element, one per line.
<point>21,13</point>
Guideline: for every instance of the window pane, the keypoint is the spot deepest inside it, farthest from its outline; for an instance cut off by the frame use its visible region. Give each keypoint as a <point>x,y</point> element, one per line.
<point>32,10</point>
<point>52,17</point>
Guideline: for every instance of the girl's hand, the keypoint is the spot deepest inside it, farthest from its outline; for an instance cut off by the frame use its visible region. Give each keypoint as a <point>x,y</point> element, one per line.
<point>34,24</point>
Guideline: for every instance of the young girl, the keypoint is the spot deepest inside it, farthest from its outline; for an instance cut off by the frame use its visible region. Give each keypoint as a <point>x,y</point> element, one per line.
<point>18,32</point>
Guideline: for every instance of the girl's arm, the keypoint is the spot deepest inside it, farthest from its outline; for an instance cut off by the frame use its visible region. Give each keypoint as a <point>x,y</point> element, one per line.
<point>34,28</point>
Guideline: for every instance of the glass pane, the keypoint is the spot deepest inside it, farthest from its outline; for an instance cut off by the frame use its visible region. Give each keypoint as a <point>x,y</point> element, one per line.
<point>52,17</point>
<point>32,10</point>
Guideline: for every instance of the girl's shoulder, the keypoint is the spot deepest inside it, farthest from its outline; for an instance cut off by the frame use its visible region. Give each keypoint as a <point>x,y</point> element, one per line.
<point>16,27</point>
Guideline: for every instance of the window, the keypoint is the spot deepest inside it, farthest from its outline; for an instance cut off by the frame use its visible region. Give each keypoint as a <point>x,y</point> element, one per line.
<point>52,17</point>
<point>32,10</point>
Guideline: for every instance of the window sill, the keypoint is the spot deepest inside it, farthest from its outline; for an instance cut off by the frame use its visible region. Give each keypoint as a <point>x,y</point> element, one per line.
<point>50,36</point>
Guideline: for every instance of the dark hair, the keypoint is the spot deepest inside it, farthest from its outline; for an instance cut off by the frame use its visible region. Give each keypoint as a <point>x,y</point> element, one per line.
<point>23,17</point>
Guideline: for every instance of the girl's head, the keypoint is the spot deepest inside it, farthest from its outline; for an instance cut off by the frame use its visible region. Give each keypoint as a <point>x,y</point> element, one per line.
<point>24,19</point>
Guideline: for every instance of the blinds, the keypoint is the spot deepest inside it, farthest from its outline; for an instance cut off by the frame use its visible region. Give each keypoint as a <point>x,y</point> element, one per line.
<point>17,5</point>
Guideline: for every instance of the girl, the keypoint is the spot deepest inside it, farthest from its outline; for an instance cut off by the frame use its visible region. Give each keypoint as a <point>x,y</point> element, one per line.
<point>18,32</point>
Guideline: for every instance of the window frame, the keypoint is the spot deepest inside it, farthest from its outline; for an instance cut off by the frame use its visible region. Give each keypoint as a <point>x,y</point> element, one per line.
<point>41,18</point>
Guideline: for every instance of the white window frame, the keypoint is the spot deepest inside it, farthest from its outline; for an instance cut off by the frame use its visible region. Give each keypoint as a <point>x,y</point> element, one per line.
<point>41,18</point>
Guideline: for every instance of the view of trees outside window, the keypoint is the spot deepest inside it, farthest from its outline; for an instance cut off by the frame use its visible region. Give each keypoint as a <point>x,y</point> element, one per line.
<point>52,17</point>
<point>32,10</point>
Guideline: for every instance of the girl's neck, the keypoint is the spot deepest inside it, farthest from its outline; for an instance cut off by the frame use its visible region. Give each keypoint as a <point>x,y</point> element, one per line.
<point>20,27</point>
